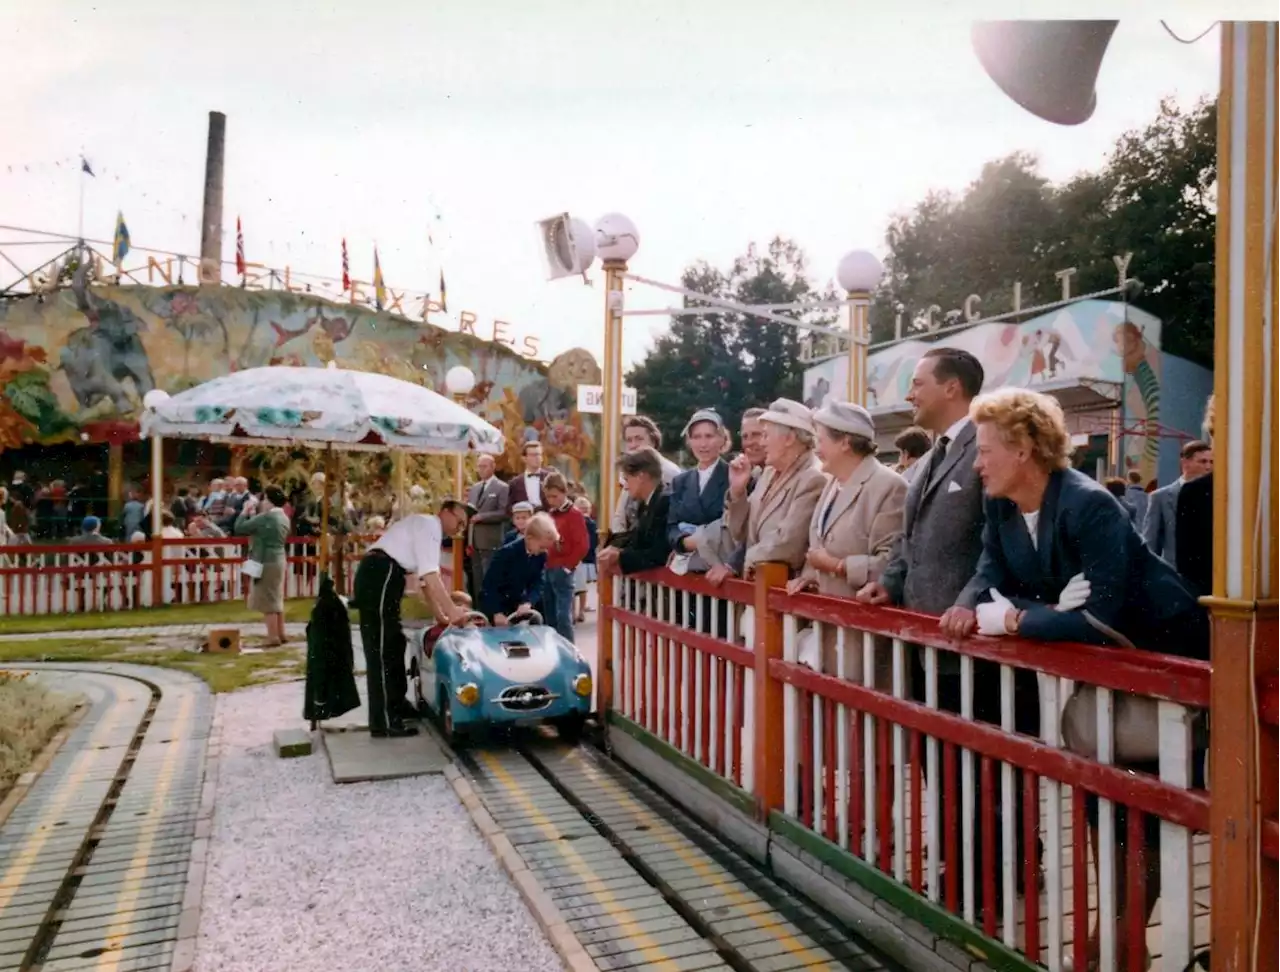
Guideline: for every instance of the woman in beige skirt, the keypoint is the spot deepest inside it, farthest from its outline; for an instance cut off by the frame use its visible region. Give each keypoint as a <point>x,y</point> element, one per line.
<point>267,528</point>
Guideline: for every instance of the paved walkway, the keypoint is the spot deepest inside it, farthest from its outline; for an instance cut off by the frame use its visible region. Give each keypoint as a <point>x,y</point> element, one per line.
<point>97,851</point>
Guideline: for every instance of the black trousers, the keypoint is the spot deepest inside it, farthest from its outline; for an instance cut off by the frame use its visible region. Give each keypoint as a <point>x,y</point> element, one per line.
<point>986,708</point>
<point>379,589</point>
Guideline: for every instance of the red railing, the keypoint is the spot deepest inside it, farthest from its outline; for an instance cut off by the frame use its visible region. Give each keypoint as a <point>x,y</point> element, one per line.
<point>914,783</point>
<point>69,579</point>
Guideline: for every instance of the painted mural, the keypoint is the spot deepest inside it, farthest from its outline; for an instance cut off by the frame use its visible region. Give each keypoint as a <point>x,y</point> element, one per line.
<point>1093,340</point>
<point>75,364</point>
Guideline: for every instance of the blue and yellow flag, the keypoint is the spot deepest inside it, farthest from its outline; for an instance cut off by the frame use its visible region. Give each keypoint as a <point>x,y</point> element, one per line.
<point>379,287</point>
<point>444,294</point>
<point>120,242</point>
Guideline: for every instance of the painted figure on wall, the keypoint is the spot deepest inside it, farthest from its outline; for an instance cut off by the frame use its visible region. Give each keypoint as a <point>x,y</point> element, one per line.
<point>113,344</point>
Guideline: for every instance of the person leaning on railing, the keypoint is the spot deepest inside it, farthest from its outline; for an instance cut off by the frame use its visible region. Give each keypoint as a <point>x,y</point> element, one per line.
<point>853,529</point>
<point>1061,561</point>
<point>645,545</point>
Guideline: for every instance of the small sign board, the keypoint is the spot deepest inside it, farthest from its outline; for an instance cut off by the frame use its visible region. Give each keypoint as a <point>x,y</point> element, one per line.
<point>591,400</point>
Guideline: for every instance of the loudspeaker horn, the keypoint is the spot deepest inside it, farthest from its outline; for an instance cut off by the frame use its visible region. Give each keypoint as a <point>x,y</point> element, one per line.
<point>1049,67</point>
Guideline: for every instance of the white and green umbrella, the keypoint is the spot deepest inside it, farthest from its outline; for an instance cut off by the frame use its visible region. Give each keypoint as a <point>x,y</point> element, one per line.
<point>320,407</point>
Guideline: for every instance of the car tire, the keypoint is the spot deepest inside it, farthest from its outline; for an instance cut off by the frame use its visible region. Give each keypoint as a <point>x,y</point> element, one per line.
<point>571,728</point>
<point>444,715</point>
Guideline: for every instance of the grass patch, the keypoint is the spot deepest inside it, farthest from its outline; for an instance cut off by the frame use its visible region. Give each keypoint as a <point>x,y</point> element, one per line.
<point>30,714</point>
<point>223,673</point>
<point>227,612</point>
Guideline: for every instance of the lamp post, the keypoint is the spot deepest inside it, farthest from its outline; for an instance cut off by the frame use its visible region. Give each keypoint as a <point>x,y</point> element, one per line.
<point>459,382</point>
<point>616,242</point>
<point>859,273</point>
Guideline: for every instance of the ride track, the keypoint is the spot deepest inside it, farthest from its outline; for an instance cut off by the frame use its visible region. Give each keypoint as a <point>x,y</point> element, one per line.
<point>94,858</point>
<point>641,885</point>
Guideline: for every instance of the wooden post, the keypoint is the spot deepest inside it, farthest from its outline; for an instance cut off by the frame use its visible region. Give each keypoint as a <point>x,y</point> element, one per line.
<point>115,480</point>
<point>770,771</point>
<point>459,562</point>
<point>604,646</point>
<point>1242,764</point>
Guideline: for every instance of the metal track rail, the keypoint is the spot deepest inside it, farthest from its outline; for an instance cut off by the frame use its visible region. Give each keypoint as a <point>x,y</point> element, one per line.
<point>642,885</point>
<point>93,861</point>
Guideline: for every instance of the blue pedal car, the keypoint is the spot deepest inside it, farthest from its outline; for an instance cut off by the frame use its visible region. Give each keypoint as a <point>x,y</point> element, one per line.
<point>476,676</point>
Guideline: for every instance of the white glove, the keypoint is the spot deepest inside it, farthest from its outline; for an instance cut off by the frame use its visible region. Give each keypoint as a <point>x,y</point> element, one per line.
<point>1074,595</point>
<point>991,616</point>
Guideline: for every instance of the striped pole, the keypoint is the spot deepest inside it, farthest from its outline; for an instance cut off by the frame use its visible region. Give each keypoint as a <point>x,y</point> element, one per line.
<point>1243,761</point>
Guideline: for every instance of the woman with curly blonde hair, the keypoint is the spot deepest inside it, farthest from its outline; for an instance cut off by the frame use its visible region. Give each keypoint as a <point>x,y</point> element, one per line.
<point>1061,561</point>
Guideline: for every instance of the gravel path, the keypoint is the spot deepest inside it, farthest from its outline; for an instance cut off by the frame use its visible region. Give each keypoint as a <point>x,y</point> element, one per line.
<point>305,875</point>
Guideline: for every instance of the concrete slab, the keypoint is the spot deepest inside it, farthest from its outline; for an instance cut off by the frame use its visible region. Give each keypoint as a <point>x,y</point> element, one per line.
<point>289,743</point>
<point>356,757</point>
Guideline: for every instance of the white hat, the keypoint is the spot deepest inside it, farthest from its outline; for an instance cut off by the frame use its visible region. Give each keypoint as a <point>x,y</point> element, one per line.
<point>704,415</point>
<point>783,411</point>
<point>522,507</point>
<point>846,417</point>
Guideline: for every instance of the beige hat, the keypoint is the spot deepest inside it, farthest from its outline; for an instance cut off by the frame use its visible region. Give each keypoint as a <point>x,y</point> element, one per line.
<point>846,417</point>
<point>783,411</point>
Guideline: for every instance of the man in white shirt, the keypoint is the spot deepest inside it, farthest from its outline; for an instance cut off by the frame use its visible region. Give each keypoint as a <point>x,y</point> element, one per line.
<point>409,546</point>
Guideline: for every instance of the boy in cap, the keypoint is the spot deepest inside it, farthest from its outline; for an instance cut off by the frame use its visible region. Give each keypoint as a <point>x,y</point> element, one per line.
<point>521,513</point>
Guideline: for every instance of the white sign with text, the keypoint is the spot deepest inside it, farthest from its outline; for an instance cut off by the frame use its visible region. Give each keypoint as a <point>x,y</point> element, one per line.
<point>591,400</point>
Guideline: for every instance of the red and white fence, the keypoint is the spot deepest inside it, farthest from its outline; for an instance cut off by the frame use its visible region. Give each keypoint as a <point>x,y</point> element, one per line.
<point>65,579</point>
<point>915,783</point>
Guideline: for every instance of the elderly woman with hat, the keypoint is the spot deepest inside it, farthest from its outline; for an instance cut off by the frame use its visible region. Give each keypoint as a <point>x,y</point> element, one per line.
<point>771,522</point>
<point>695,521</point>
<point>858,517</point>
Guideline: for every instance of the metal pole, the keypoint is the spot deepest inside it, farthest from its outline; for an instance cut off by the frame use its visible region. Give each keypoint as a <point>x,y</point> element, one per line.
<point>157,482</point>
<point>211,227</point>
<point>611,418</point>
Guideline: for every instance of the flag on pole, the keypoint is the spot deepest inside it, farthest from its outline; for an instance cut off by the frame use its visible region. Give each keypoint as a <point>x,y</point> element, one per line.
<point>444,294</point>
<point>84,166</point>
<point>346,268</point>
<point>120,243</point>
<point>239,248</point>
<point>379,287</point>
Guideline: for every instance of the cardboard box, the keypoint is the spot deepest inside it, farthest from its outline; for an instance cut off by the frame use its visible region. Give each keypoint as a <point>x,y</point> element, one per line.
<point>223,641</point>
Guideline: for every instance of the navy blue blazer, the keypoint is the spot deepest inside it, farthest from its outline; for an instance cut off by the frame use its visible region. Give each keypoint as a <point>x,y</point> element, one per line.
<point>691,505</point>
<point>513,578</point>
<point>1134,595</point>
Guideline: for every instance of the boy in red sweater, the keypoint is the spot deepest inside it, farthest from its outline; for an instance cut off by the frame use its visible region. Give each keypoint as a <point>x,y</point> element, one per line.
<point>557,584</point>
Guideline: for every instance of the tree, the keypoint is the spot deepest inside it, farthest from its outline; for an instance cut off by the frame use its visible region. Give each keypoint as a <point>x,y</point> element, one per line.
<point>725,359</point>
<point>1154,197</point>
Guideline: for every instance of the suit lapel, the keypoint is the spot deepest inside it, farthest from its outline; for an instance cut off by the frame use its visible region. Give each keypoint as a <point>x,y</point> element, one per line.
<point>849,493</point>
<point>777,488</point>
<point>955,452</point>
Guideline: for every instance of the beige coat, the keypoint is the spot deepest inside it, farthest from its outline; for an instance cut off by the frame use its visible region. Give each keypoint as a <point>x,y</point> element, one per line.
<point>863,527</point>
<point>773,520</point>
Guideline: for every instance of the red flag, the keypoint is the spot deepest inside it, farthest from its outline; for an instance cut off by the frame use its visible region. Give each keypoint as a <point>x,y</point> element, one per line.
<point>346,274</point>
<point>239,248</point>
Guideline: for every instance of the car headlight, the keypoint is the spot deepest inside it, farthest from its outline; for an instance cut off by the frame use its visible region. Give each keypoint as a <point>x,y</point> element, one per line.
<point>582,685</point>
<point>468,694</point>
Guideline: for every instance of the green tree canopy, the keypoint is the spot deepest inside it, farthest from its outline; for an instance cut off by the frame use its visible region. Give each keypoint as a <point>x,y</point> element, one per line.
<point>1154,197</point>
<point>723,359</point>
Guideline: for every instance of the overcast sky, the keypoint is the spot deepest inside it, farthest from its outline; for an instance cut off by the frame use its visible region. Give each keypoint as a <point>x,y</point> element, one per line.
<point>710,124</point>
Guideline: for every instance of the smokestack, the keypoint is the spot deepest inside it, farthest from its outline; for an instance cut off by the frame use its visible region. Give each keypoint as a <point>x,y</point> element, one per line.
<point>211,228</point>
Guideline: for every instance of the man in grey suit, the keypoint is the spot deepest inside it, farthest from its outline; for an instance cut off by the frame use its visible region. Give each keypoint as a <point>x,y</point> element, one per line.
<point>1196,459</point>
<point>489,499</point>
<point>936,557</point>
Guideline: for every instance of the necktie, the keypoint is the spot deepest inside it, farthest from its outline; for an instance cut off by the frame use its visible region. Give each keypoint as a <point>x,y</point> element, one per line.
<point>935,459</point>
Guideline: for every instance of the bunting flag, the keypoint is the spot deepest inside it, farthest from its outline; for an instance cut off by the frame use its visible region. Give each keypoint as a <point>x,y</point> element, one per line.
<point>444,295</point>
<point>239,248</point>
<point>379,287</point>
<point>120,243</point>
<point>346,268</point>
<point>84,167</point>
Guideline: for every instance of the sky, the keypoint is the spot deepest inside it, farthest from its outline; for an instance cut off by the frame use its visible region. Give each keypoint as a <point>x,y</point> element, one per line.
<point>444,131</point>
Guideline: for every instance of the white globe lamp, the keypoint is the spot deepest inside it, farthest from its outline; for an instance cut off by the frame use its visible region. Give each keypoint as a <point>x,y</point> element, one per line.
<point>859,272</point>
<point>459,381</point>
<point>617,238</point>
